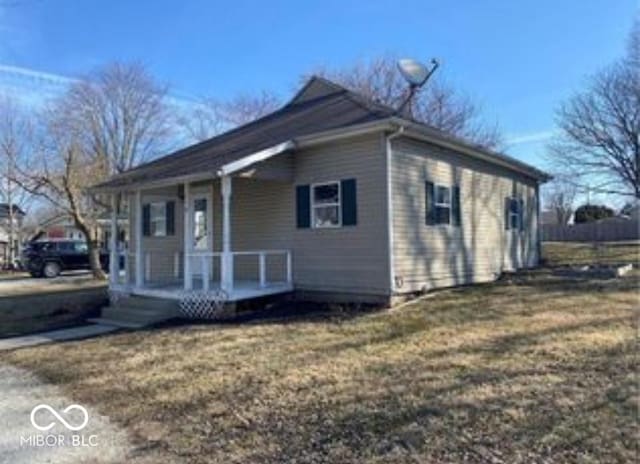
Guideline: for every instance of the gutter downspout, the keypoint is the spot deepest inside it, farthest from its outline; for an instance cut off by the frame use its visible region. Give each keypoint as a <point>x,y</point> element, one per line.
<point>392,275</point>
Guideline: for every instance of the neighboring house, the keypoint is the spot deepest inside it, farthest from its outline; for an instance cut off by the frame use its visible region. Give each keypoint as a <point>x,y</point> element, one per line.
<point>332,196</point>
<point>61,226</point>
<point>5,233</point>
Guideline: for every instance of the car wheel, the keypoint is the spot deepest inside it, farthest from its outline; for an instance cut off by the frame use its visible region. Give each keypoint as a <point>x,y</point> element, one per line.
<point>51,270</point>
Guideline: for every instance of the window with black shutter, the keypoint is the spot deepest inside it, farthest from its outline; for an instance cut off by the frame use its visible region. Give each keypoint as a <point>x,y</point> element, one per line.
<point>442,204</point>
<point>327,205</point>
<point>514,213</point>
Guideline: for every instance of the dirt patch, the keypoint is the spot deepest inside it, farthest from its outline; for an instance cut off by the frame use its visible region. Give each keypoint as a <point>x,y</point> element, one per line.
<point>30,313</point>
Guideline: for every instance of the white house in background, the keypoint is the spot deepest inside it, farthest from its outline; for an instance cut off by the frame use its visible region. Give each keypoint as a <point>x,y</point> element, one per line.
<point>61,227</point>
<point>5,233</point>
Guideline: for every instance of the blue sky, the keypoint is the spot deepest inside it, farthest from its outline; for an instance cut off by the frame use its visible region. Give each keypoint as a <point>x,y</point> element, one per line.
<point>518,58</point>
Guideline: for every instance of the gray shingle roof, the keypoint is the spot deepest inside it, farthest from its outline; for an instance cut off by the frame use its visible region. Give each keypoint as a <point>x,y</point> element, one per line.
<point>320,105</point>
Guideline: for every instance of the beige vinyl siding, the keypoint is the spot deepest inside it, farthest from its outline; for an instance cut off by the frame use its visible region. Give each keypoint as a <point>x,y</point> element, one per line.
<point>262,218</point>
<point>278,168</point>
<point>351,259</point>
<point>442,255</point>
<point>158,252</point>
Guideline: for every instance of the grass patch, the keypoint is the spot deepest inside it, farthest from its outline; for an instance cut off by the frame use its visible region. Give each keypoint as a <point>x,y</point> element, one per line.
<point>578,253</point>
<point>532,369</point>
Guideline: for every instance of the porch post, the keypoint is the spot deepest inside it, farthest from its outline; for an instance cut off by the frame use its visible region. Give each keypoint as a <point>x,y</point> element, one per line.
<point>188,283</point>
<point>227,256</point>
<point>114,257</point>
<point>127,242</point>
<point>138,229</point>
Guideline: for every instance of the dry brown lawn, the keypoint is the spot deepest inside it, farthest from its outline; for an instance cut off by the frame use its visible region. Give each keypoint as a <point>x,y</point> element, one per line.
<point>536,368</point>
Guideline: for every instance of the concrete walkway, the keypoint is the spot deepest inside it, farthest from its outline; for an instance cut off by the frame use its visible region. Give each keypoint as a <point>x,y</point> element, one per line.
<point>73,333</point>
<point>99,441</point>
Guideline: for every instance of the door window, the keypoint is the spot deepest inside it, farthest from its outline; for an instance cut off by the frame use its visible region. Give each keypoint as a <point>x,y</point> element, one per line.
<point>200,224</point>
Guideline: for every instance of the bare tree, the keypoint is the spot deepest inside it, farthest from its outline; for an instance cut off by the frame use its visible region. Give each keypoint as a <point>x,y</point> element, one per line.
<point>599,144</point>
<point>438,104</point>
<point>210,116</point>
<point>15,140</point>
<point>560,197</point>
<point>103,125</point>
<point>118,114</point>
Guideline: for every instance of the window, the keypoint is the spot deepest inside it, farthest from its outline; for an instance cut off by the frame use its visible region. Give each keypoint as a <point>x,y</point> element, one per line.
<point>514,214</point>
<point>200,235</point>
<point>80,247</point>
<point>325,205</point>
<point>158,219</point>
<point>443,205</point>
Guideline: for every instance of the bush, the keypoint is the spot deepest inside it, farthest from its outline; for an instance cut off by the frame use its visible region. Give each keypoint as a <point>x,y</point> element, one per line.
<point>589,213</point>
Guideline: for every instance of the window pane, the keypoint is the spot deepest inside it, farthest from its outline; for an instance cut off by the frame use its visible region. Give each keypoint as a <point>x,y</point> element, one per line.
<point>325,193</point>
<point>326,216</point>
<point>513,206</point>
<point>442,214</point>
<point>443,196</point>
<point>200,224</point>
<point>514,221</point>
<point>158,227</point>
<point>81,247</point>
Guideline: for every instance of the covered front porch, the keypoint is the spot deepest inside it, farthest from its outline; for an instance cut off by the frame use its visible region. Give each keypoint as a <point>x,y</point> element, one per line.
<point>182,238</point>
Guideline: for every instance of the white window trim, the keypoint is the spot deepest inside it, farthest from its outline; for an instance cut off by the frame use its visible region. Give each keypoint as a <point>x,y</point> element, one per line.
<point>152,230</point>
<point>321,205</point>
<point>443,205</point>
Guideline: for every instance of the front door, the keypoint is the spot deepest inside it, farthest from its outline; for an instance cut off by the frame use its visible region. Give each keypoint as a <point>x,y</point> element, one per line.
<point>202,238</point>
<point>201,224</point>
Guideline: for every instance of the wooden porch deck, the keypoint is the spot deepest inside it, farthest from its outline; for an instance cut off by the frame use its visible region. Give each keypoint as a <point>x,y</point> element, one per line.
<point>242,289</point>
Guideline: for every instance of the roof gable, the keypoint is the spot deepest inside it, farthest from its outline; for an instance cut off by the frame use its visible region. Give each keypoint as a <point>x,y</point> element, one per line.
<point>316,87</point>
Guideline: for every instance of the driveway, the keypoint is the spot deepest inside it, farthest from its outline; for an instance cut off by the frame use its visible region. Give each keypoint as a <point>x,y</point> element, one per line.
<point>20,393</point>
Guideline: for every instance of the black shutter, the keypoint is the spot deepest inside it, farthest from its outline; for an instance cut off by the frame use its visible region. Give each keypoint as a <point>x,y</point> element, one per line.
<point>507,216</point>
<point>303,207</point>
<point>430,203</point>
<point>521,213</point>
<point>171,218</point>
<point>146,220</point>
<point>349,202</point>
<point>455,205</point>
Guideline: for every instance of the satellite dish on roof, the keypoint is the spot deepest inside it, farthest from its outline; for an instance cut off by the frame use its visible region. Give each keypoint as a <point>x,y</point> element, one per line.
<point>416,74</point>
<point>413,71</point>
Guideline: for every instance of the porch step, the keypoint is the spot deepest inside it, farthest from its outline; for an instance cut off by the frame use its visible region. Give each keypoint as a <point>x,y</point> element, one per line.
<point>116,323</point>
<point>137,311</point>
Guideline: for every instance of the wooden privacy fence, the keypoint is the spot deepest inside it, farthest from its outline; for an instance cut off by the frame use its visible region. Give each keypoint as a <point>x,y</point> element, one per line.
<point>605,230</point>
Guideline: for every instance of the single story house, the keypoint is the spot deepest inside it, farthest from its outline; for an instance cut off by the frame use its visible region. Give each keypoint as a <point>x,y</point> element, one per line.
<point>333,197</point>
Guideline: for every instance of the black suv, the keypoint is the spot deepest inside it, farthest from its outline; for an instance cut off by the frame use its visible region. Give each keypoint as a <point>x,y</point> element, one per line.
<point>50,258</point>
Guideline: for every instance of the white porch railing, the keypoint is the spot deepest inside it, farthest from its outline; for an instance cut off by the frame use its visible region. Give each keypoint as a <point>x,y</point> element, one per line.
<point>208,267</point>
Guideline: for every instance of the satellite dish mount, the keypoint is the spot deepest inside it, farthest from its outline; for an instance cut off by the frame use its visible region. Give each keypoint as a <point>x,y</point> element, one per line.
<point>417,75</point>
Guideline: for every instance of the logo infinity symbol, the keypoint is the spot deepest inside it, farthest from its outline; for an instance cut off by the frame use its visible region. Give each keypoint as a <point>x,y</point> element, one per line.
<point>50,425</point>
